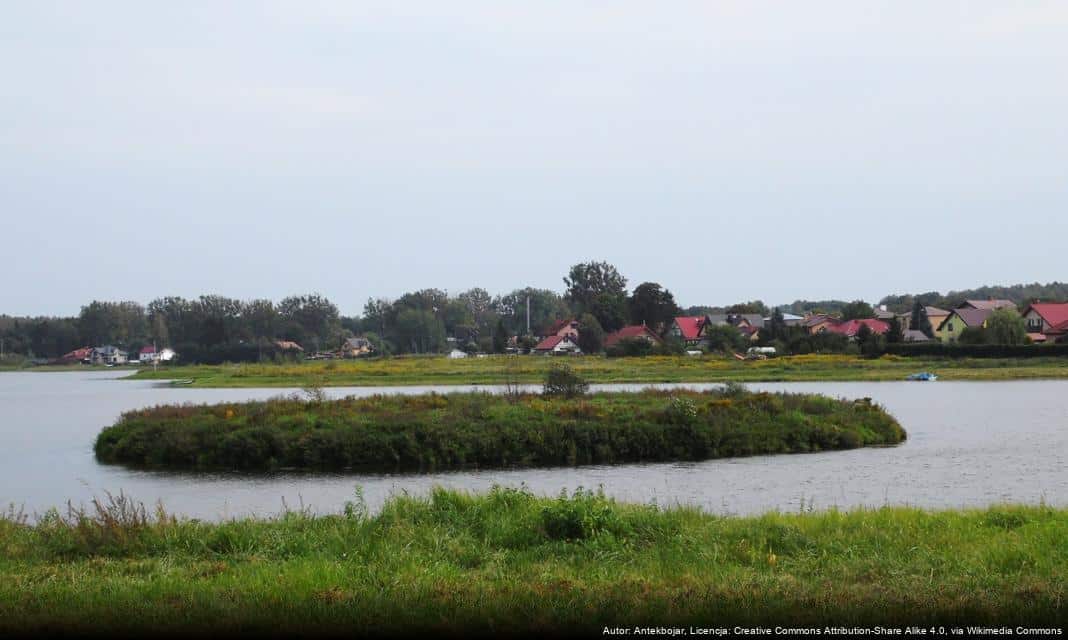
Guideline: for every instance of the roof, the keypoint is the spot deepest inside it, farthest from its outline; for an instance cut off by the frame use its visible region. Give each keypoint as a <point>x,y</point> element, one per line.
<point>754,319</point>
<point>690,326</point>
<point>551,342</point>
<point>633,331</point>
<point>558,325</point>
<point>286,345</point>
<point>1037,337</point>
<point>935,311</point>
<point>80,354</point>
<point>851,328</point>
<point>989,305</point>
<point>1054,313</point>
<point>1060,328</point>
<point>147,350</point>
<point>816,319</point>
<point>969,316</point>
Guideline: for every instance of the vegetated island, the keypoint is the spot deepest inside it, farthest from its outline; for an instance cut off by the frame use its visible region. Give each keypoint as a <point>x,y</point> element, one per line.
<point>436,432</point>
<point>420,370</point>
<point>508,562</point>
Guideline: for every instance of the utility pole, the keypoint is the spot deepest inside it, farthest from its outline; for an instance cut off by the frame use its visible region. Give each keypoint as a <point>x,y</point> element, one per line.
<point>528,315</point>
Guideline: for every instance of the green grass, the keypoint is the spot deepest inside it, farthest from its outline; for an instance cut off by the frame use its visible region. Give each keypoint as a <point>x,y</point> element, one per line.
<point>509,562</point>
<point>453,431</point>
<point>596,369</point>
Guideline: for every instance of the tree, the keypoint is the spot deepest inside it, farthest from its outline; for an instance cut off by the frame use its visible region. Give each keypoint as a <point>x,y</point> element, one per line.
<point>1005,326</point>
<point>857,310</point>
<point>599,289</point>
<point>419,331</point>
<point>591,334</point>
<point>919,321</point>
<point>725,337</point>
<point>894,334</point>
<point>753,306</point>
<point>310,318</point>
<point>652,305</point>
<point>546,307</point>
<point>500,337</point>
<point>870,343</point>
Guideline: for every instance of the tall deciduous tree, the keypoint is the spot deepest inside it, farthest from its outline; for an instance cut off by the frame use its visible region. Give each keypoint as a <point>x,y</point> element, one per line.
<point>1005,326</point>
<point>591,334</point>
<point>598,288</point>
<point>652,305</point>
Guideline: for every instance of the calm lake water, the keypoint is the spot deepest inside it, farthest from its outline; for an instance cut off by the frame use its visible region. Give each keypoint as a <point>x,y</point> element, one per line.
<point>970,444</point>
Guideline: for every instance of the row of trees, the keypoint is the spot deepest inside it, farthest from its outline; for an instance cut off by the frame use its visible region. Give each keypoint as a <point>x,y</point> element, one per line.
<point>189,326</point>
<point>422,321</point>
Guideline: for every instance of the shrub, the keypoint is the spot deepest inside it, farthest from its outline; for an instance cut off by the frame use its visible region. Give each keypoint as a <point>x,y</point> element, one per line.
<point>561,380</point>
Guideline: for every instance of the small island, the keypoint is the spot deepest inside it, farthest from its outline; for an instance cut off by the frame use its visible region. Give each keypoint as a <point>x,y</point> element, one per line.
<point>436,432</point>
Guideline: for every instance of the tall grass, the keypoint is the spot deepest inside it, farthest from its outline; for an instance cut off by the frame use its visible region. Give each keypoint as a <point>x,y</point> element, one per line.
<point>451,431</point>
<point>508,561</point>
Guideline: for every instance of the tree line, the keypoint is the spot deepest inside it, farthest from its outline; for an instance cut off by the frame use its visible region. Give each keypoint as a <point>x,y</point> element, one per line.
<point>214,328</point>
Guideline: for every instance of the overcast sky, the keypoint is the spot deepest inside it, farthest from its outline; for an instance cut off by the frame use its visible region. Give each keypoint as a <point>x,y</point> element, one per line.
<point>728,150</point>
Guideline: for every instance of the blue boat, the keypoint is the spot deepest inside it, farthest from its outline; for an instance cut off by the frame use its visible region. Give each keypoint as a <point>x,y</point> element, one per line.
<point>926,376</point>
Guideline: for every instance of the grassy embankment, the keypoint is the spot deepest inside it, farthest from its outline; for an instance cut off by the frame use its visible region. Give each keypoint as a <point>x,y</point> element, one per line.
<point>508,561</point>
<point>451,431</point>
<point>531,369</point>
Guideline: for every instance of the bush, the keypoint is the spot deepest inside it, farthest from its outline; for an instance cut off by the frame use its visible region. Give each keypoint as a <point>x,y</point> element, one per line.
<point>561,380</point>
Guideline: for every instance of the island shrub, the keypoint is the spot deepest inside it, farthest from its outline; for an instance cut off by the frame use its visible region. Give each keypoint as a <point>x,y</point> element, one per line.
<point>455,431</point>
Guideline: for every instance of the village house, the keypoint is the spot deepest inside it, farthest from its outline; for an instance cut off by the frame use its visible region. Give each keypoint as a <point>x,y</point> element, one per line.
<point>288,345</point>
<point>990,304</point>
<point>819,322</point>
<point>564,344</point>
<point>1046,321</point>
<point>934,315</point>
<point>83,355</point>
<point>634,332</point>
<point>355,348</point>
<point>109,355</point>
<point>568,327</point>
<point>960,319</point>
<point>850,328</point>
<point>687,329</point>
<point>149,355</point>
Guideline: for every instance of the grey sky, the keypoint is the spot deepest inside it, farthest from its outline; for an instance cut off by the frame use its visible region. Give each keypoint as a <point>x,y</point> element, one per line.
<point>729,150</point>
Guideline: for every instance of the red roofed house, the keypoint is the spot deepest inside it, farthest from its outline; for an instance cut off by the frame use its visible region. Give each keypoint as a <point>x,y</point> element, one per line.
<point>633,332</point>
<point>688,329</point>
<point>1046,320</point>
<point>557,344</point>
<point>78,355</point>
<point>850,328</point>
<point>568,327</point>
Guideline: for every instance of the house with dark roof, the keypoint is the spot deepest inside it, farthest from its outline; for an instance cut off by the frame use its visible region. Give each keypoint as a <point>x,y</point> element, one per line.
<point>818,322</point>
<point>633,332</point>
<point>109,354</point>
<point>557,345</point>
<point>989,304</point>
<point>960,319</point>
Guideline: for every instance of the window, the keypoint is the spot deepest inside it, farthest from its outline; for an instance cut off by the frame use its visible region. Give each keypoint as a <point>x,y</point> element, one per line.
<point>950,327</point>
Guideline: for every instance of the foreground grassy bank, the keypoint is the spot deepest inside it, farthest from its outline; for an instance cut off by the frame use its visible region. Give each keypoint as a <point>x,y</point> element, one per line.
<point>531,369</point>
<point>452,431</point>
<point>511,562</point>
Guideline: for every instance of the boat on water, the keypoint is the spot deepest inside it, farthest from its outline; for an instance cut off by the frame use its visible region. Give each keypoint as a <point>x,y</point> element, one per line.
<point>926,376</point>
<point>185,381</point>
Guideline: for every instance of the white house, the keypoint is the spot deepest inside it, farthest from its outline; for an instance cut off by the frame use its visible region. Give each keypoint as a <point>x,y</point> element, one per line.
<point>557,345</point>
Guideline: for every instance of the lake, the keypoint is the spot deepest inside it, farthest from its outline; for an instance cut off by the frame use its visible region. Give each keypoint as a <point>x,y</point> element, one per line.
<point>970,444</point>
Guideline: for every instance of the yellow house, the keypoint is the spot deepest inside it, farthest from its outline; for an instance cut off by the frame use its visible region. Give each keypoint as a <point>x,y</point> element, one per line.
<point>958,320</point>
